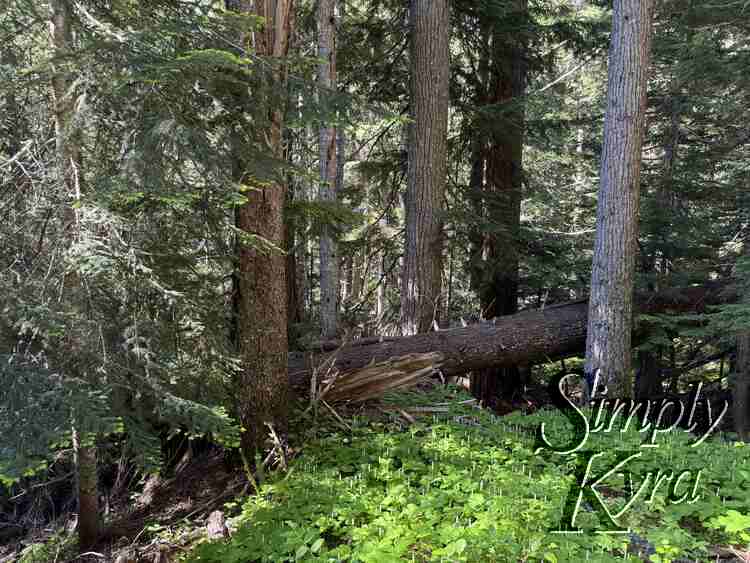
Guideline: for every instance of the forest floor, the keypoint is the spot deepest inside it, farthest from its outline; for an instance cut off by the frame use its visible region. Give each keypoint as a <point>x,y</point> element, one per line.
<point>423,475</point>
<point>152,522</point>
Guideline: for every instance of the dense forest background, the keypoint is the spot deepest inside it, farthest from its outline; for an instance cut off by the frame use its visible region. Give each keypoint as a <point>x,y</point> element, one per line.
<point>226,221</point>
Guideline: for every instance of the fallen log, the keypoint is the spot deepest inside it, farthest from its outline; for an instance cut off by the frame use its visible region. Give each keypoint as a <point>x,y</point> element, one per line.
<point>527,338</point>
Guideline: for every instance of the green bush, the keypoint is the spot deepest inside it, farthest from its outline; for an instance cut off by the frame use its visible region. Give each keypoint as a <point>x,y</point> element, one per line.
<point>469,487</point>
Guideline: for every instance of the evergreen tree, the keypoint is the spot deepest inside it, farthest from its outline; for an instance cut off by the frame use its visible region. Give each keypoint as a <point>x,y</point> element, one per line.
<point>262,384</point>
<point>423,251</point>
<point>329,258</point>
<point>608,338</point>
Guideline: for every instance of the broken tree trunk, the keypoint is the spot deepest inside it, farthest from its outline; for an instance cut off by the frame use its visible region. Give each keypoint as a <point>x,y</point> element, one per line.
<point>527,338</point>
<point>376,379</point>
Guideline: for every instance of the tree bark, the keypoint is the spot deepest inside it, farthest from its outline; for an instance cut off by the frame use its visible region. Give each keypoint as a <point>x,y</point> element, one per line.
<point>741,388</point>
<point>526,338</point>
<point>261,387</point>
<point>499,198</point>
<point>67,136</point>
<point>608,345</point>
<point>741,375</point>
<point>329,258</point>
<point>88,493</point>
<point>295,305</point>
<point>430,68</point>
<point>68,153</point>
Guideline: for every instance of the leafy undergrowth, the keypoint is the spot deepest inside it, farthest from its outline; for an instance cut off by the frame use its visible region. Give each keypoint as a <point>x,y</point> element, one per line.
<point>468,486</point>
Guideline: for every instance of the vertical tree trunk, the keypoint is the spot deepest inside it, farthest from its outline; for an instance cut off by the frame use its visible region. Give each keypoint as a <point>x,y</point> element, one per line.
<point>88,492</point>
<point>329,258</point>
<point>353,281</point>
<point>262,386</point>
<point>67,136</point>
<point>500,198</point>
<point>430,68</point>
<point>294,296</point>
<point>357,273</point>
<point>608,342</point>
<point>449,291</point>
<point>740,375</point>
<point>741,388</point>
<point>304,274</point>
<point>504,176</point>
<point>293,300</point>
<point>67,139</point>
<point>380,295</point>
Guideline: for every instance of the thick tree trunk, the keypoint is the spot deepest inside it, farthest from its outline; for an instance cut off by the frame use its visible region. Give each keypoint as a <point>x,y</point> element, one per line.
<point>502,193</point>
<point>741,376</point>
<point>608,346</point>
<point>261,388</point>
<point>526,338</point>
<point>329,258</point>
<point>500,199</point>
<point>430,62</point>
<point>741,388</point>
<point>67,144</point>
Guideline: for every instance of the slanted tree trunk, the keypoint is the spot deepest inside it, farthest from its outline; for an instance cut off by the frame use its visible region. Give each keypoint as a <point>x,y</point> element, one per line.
<point>423,252</point>
<point>526,338</point>
<point>329,258</point>
<point>68,153</point>
<point>261,387</point>
<point>500,197</point>
<point>608,344</point>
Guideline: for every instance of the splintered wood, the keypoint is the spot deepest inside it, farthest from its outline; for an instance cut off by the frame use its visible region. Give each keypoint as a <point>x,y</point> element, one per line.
<point>374,380</point>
